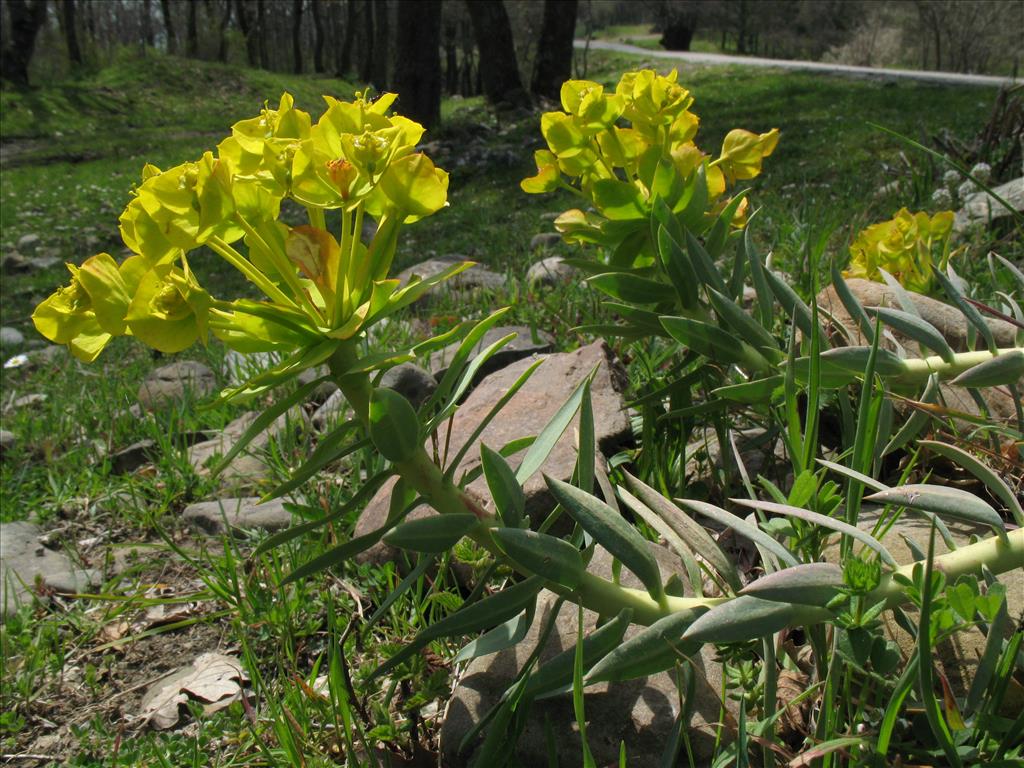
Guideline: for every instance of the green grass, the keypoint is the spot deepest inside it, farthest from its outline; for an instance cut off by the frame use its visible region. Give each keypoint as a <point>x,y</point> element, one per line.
<point>77,150</point>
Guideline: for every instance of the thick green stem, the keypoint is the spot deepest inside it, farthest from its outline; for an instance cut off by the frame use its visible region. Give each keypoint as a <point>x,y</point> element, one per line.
<point>917,370</point>
<point>601,595</point>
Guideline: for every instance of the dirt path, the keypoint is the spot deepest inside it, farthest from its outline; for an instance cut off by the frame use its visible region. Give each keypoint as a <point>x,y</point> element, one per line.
<point>943,78</point>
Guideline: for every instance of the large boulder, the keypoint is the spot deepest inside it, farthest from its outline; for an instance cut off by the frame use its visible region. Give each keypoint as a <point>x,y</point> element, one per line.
<point>639,712</point>
<point>238,515</point>
<point>525,414</point>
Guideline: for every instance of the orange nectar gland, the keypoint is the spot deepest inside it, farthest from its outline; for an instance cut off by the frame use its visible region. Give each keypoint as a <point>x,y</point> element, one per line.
<point>342,173</point>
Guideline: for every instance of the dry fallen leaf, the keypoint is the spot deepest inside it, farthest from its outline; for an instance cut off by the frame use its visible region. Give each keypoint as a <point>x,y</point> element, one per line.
<point>213,678</point>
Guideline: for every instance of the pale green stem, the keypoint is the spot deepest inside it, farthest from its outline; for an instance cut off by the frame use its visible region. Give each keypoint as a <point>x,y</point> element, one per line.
<point>353,255</point>
<point>919,369</point>
<point>342,305</point>
<point>316,217</point>
<point>606,598</point>
<point>284,268</point>
<point>239,262</point>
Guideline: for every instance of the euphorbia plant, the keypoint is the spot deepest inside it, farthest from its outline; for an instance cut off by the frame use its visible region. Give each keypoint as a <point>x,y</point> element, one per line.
<point>657,197</point>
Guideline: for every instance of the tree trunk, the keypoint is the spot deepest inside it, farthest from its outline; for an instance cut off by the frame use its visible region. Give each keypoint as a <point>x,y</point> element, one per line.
<point>249,32</point>
<point>27,17</point>
<point>297,35</point>
<point>192,33</point>
<point>381,45</point>
<point>222,43</point>
<point>67,13</point>
<point>318,37</point>
<point>148,38</point>
<point>451,58</point>
<point>366,44</point>
<point>554,51</point>
<point>418,60</point>
<point>261,35</point>
<point>344,51</point>
<point>172,39</point>
<point>499,71</point>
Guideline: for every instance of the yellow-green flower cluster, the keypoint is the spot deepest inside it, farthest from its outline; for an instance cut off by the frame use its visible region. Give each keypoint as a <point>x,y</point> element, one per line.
<point>355,158</point>
<point>908,246</point>
<point>622,150</point>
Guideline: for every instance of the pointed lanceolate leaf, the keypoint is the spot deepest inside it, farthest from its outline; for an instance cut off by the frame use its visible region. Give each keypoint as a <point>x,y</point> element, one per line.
<point>748,618</point>
<point>554,559</point>
<point>678,268</point>
<point>942,501</point>
<point>855,360</point>
<point>916,328</point>
<point>557,672</point>
<point>508,496</point>
<point>486,613</point>
<point>824,521</point>
<point>632,288</point>
<point>436,533</point>
<point>548,437</point>
<point>498,639</point>
<point>652,650</point>
<point>1003,370</point>
<point>983,472</point>
<point>705,339</point>
<point>741,527</point>
<point>744,325</point>
<point>805,584</point>
<point>692,532</point>
<point>611,531</point>
<point>394,428</point>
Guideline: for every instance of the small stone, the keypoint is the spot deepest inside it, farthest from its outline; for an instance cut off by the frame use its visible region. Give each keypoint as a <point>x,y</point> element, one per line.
<point>523,345</point>
<point>641,712</point>
<point>28,243</point>
<point>545,240</point>
<point>29,401</point>
<point>222,516</point>
<point>10,337</point>
<point>7,442</point>
<point>474,279</point>
<point>550,215</point>
<point>248,469</point>
<point>980,208</point>
<point>13,263</point>
<point>24,560</point>
<point>173,382</point>
<point>333,410</point>
<point>134,456</point>
<point>550,272</point>
<point>410,381</point>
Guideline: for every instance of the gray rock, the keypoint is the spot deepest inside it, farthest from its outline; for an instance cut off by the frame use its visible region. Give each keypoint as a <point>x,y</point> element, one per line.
<point>948,320</point>
<point>7,442</point>
<point>134,456</point>
<point>333,411</point>
<point>525,414</point>
<point>545,240</point>
<point>474,279</point>
<point>981,208</point>
<point>410,381</point>
<point>222,516</point>
<point>171,383</point>
<point>549,272</point>
<point>28,243</point>
<point>28,401</point>
<point>550,215</point>
<point>523,345</point>
<point>24,561</point>
<point>248,469</point>
<point>11,337</point>
<point>958,656</point>
<point>639,712</point>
